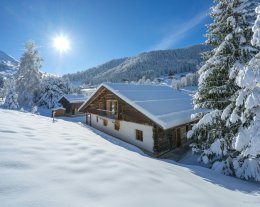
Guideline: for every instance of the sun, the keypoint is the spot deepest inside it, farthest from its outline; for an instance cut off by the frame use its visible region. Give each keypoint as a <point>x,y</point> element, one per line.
<point>61,43</point>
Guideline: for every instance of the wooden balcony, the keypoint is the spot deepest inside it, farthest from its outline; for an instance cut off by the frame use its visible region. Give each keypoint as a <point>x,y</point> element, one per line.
<point>106,113</point>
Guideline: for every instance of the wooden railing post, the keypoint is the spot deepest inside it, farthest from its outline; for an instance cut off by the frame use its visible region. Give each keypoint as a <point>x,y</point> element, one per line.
<point>87,114</point>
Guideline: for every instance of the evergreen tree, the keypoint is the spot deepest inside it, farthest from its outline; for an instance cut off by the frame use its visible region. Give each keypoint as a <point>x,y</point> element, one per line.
<point>230,33</point>
<point>1,82</point>
<point>11,98</point>
<point>51,89</point>
<point>8,83</point>
<point>246,51</point>
<point>28,76</point>
<point>191,79</point>
<point>247,140</point>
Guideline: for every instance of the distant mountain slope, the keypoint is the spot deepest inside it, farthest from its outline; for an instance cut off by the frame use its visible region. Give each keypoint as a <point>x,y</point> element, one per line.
<point>8,65</point>
<point>149,64</point>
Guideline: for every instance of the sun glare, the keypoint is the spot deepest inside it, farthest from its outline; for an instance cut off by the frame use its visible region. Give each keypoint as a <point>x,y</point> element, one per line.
<point>61,43</point>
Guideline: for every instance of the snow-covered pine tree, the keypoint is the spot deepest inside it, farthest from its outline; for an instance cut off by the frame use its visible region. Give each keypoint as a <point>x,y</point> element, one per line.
<point>51,89</point>
<point>230,33</point>
<point>28,76</point>
<point>247,141</point>
<point>1,81</point>
<point>191,79</point>
<point>176,83</point>
<point>246,51</point>
<point>11,97</point>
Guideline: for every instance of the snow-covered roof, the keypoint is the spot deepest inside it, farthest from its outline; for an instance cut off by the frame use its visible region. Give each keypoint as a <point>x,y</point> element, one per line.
<point>57,108</point>
<point>88,91</point>
<point>74,98</point>
<point>162,104</point>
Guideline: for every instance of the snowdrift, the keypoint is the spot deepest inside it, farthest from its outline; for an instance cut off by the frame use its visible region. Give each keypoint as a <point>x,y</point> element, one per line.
<point>67,164</point>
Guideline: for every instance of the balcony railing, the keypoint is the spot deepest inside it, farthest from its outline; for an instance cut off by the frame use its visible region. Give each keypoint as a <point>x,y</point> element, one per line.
<point>107,113</point>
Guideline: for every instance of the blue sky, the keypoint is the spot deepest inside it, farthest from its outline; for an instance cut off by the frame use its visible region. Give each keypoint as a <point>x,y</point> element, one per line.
<point>100,30</point>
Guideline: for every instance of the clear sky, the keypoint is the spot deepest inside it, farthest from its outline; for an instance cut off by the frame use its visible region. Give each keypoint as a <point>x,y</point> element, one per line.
<point>100,30</point>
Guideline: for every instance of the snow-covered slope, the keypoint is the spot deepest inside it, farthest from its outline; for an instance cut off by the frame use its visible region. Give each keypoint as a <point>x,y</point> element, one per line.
<point>66,164</point>
<point>152,65</point>
<point>8,65</point>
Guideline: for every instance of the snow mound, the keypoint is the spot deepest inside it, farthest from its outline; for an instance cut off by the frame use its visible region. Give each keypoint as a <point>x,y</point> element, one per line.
<point>47,164</point>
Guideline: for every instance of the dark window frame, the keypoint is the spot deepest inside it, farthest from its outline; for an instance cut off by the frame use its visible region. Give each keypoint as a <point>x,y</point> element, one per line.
<point>112,105</point>
<point>139,135</point>
<point>105,122</point>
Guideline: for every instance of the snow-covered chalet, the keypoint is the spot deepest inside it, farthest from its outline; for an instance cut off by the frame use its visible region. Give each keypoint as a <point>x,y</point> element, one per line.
<point>154,118</point>
<point>71,103</point>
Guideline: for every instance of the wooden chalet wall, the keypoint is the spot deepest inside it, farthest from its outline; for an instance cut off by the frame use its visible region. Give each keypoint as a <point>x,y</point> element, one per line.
<point>76,105</point>
<point>164,140</point>
<point>70,106</point>
<point>161,141</point>
<point>65,104</point>
<point>58,112</point>
<point>125,111</point>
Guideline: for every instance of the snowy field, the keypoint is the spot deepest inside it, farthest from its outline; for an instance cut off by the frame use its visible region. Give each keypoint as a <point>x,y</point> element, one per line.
<point>65,164</point>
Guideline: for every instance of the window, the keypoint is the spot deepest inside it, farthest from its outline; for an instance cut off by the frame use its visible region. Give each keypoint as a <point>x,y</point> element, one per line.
<point>117,125</point>
<point>100,105</point>
<point>112,106</point>
<point>104,122</point>
<point>139,135</point>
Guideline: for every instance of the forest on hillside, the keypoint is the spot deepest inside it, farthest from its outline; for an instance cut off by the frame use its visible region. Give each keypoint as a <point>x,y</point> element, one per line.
<point>150,65</point>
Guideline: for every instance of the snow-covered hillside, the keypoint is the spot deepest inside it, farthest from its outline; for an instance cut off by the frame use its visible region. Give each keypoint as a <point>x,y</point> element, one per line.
<point>152,65</point>
<point>8,65</point>
<point>67,164</point>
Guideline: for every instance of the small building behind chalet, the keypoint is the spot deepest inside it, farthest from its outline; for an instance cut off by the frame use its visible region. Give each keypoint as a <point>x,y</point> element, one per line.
<point>154,118</point>
<point>58,111</point>
<point>71,104</point>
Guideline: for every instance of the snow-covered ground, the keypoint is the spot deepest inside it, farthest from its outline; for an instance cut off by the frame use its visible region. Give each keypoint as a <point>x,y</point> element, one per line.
<point>65,164</point>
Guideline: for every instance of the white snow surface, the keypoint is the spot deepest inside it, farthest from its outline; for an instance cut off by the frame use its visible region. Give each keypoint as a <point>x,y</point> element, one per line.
<point>50,164</point>
<point>75,98</point>
<point>164,105</point>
